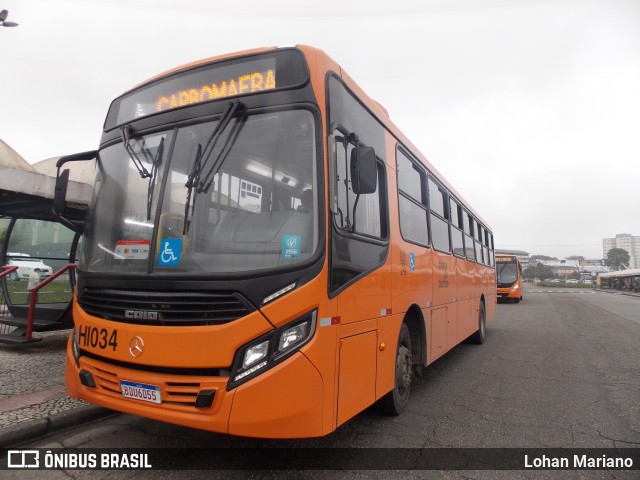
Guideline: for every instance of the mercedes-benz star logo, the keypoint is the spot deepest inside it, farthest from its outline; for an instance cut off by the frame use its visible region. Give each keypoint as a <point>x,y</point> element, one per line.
<point>136,346</point>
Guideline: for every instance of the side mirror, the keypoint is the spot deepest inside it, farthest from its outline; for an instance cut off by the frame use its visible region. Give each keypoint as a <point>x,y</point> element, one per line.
<point>60,193</point>
<point>364,173</point>
<point>62,182</point>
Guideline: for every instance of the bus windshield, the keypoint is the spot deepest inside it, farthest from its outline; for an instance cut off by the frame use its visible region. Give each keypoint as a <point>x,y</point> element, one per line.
<point>507,272</point>
<point>246,201</point>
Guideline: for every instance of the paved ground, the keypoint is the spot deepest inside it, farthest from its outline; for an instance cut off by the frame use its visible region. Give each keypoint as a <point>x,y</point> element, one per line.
<point>33,397</point>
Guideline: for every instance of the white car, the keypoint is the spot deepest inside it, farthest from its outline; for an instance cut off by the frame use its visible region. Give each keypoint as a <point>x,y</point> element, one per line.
<point>26,265</point>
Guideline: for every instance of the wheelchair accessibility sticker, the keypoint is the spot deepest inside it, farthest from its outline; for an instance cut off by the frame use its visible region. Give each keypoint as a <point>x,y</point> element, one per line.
<point>412,261</point>
<point>291,245</point>
<point>169,254</point>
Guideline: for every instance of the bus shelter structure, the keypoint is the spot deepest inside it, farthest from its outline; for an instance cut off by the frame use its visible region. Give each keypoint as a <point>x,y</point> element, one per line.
<point>34,245</point>
<point>621,280</point>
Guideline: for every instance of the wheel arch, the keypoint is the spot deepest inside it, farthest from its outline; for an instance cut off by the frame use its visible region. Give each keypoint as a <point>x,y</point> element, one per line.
<point>417,331</point>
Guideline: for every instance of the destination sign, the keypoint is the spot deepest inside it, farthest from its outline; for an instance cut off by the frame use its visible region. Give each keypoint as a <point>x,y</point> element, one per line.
<point>243,84</point>
<point>502,258</point>
<point>232,77</point>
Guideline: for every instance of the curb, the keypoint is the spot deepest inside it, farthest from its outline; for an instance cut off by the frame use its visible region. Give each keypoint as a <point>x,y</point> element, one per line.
<point>29,431</point>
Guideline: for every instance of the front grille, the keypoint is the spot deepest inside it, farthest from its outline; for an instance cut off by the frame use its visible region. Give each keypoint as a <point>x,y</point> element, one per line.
<point>164,308</point>
<point>181,394</point>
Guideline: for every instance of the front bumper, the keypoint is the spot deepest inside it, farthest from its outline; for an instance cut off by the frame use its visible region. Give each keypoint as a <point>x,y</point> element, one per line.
<point>284,402</point>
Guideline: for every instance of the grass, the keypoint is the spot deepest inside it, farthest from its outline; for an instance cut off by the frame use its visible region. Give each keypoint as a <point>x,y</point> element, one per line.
<point>58,291</point>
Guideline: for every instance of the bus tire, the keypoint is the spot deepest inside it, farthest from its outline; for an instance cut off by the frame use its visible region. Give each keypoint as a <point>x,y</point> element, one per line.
<point>479,337</point>
<point>394,402</point>
<point>516,300</point>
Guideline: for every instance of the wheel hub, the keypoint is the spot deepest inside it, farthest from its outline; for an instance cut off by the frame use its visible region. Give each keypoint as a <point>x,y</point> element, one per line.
<point>404,367</point>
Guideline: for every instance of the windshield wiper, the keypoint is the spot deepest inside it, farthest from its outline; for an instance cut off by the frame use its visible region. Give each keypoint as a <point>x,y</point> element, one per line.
<point>203,155</point>
<point>192,180</point>
<point>154,169</point>
<point>154,161</point>
<point>124,133</point>
<point>204,184</point>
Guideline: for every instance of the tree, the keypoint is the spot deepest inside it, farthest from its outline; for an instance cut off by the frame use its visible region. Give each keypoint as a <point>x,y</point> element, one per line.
<point>545,272</point>
<point>617,259</point>
<point>538,271</point>
<point>530,272</point>
<point>575,275</point>
<point>534,258</point>
<point>580,258</point>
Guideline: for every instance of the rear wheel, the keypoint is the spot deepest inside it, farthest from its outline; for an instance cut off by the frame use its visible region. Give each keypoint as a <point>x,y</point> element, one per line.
<point>480,335</point>
<point>394,402</point>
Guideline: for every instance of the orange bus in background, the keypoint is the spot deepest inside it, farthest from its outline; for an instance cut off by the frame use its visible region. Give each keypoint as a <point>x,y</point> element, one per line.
<point>266,254</point>
<point>509,272</point>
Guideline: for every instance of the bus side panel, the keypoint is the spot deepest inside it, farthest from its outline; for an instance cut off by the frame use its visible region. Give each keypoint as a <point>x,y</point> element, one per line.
<point>492,297</point>
<point>444,284</point>
<point>388,331</point>
<point>466,323</point>
<point>437,333</point>
<point>462,291</point>
<point>357,374</point>
<point>444,278</point>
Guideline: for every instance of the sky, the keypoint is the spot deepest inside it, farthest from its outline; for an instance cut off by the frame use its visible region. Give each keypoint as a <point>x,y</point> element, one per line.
<point>529,108</point>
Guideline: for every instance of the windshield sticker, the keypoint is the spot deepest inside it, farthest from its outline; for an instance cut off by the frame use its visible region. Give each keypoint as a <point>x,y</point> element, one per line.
<point>132,249</point>
<point>169,254</point>
<point>291,246</point>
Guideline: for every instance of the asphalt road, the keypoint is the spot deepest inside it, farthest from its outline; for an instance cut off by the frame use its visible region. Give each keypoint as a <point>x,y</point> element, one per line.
<point>561,369</point>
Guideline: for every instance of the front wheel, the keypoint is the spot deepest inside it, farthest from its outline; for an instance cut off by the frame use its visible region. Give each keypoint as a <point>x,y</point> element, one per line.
<point>394,402</point>
<point>480,335</point>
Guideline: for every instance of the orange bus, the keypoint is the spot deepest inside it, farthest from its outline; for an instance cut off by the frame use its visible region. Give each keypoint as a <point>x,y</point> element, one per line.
<point>266,254</point>
<point>509,273</point>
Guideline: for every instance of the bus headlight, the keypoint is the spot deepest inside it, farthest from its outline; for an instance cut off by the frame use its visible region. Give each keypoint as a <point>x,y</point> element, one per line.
<point>267,351</point>
<point>255,353</point>
<point>516,287</point>
<point>292,336</point>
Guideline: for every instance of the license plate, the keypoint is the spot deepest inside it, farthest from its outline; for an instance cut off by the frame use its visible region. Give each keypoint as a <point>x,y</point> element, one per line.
<point>140,391</point>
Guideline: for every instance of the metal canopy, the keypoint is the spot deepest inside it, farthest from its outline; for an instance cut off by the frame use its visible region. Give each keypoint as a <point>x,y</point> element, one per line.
<point>26,192</point>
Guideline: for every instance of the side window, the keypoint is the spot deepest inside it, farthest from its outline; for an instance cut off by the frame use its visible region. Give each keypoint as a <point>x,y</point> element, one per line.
<point>468,239</point>
<point>457,243</point>
<point>485,247</point>
<point>412,200</point>
<point>477,245</point>
<point>438,215</point>
<point>492,259</point>
<point>357,213</point>
<point>437,199</point>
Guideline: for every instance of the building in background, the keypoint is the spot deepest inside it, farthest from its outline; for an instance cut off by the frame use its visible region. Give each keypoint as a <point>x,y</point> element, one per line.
<point>627,242</point>
<point>562,268</point>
